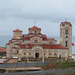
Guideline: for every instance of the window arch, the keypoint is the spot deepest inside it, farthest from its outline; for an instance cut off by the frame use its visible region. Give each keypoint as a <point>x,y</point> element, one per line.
<point>66,31</point>
<point>35,41</point>
<point>50,55</point>
<point>55,55</point>
<point>24,53</point>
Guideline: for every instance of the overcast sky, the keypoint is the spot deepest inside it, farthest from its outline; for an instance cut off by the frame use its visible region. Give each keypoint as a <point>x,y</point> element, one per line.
<point>48,15</point>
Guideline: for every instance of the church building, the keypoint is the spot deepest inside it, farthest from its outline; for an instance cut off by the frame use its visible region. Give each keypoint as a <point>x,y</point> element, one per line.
<point>38,45</point>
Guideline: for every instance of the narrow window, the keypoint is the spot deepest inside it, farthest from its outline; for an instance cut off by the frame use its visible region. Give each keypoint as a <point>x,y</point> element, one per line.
<point>17,51</point>
<point>60,57</point>
<point>35,32</point>
<point>24,53</point>
<point>66,43</point>
<point>44,53</point>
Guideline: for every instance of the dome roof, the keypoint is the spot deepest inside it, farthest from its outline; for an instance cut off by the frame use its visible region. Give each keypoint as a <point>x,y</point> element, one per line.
<point>34,27</point>
<point>65,22</point>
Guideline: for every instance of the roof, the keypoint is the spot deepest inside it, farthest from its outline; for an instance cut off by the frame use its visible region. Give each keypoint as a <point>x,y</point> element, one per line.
<point>34,27</point>
<point>65,22</point>
<point>2,49</point>
<point>45,46</point>
<point>25,35</point>
<point>17,30</point>
<point>26,39</point>
<point>52,39</point>
<point>14,47</point>
<point>7,43</point>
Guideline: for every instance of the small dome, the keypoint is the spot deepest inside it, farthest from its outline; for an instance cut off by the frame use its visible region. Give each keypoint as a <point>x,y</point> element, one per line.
<point>17,30</point>
<point>65,22</point>
<point>34,27</point>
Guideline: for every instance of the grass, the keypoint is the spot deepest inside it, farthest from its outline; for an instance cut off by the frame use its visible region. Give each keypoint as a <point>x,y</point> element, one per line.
<point>59,65</point>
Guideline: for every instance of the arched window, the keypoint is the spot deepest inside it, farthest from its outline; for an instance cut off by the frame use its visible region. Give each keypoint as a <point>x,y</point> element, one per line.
<point>24,53</point>
<point>17,51</point>
<point>55,55</point>
<point>60,57</point>
<point>35,32</point>
<point>66,36</point>
<point>35,41</point>
<point>50,55</point>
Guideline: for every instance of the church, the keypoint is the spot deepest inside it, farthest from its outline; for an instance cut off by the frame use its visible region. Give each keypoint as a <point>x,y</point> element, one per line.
<point>38,45</point>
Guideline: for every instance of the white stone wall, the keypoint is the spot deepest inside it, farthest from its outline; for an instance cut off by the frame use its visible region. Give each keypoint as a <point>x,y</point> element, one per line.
<point>41,51</point>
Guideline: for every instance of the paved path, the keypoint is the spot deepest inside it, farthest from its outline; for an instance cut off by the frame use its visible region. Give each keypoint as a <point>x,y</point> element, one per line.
<point>23,68</point>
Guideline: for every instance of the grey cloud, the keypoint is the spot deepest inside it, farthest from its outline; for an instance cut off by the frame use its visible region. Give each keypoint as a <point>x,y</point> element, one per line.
<point>48,13</point>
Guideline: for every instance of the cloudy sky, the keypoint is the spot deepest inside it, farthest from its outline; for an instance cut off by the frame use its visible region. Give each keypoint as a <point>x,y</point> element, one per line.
<point>48,15</point>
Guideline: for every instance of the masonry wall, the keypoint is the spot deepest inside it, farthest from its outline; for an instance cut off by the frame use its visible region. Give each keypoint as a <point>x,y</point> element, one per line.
<point>44,52</point>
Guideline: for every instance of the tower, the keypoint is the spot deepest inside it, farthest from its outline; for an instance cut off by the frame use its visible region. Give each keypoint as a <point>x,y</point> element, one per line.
<point>66,36</point>
<point>17,34</point>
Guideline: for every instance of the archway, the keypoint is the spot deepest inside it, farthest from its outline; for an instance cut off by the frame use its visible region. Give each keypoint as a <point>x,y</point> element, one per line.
<point>55,55</point>
<point>36,55</point>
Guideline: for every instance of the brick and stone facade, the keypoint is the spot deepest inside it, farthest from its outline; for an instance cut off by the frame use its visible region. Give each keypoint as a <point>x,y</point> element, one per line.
<point>35,45</point>
<point>66,36</point>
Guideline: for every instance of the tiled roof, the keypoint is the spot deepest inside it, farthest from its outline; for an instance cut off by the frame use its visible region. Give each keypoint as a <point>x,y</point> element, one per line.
<point>17,39</point>
<point>14,47</point>
<point>7,43</point>
<point>65,22</point>
<point>25,35</point>
<point>52,39</point>
<point>10,41</point>
<point>26,39</point>
<point>44,35</point>
<point>2,49</point>
<point>45,39</point>
<point>17,30</point>
<point>34,27</point>
<point>45,46</point>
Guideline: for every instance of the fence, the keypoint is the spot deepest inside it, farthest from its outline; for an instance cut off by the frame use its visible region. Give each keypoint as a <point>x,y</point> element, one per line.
<point>7,65</point>
<point>49,72</point>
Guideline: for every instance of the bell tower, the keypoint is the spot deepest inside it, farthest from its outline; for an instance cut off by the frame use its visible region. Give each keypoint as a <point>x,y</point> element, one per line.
<point>66,36</point>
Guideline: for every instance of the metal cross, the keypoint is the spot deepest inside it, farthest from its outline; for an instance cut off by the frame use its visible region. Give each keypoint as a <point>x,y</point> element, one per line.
<point>34,23</point>
<point>65,19</point>
<point>17,27</point>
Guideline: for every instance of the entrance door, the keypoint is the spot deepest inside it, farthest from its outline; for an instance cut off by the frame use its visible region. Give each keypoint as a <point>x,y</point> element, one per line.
<point>36,55</point>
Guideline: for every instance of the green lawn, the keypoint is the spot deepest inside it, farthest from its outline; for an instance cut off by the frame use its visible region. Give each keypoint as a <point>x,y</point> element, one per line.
<point>59,65</point>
